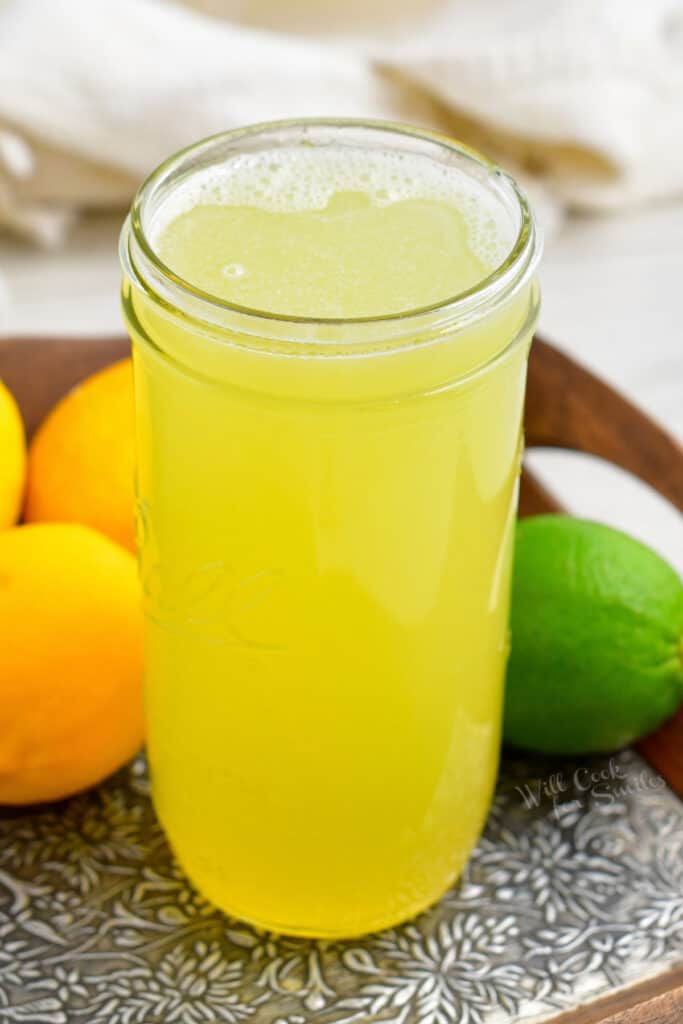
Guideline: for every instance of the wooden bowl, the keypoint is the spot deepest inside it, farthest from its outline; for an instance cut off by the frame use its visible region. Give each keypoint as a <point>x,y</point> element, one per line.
<point>567,407</point>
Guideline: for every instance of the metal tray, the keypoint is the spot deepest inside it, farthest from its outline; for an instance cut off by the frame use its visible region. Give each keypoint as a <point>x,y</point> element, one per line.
<point>575,889</point>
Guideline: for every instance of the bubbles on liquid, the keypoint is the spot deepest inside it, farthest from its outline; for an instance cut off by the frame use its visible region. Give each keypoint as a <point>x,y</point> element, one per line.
<point>233,270</point>
<point>294,179</point>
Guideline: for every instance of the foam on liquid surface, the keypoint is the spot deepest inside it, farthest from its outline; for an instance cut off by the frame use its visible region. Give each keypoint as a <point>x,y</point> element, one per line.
<point>328,232</point>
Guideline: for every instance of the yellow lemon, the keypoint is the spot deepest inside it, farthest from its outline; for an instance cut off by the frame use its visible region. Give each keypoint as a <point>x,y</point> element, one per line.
<point>12,459</point>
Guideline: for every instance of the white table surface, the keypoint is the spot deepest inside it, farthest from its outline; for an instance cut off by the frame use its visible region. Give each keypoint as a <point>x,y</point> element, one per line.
<point>612,296</point>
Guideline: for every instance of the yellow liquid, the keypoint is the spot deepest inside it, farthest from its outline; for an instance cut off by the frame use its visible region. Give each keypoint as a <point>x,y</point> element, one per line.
<point>325,548</point>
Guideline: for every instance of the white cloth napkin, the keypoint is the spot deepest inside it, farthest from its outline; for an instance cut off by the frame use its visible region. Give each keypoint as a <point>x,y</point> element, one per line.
<point>582,97</point>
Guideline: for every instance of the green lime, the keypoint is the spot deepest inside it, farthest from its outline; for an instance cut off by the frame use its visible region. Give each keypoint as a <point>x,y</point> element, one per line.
<point>597,627</point>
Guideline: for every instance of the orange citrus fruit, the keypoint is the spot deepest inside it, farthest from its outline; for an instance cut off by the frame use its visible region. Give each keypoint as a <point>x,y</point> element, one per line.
<point>70,660</point>
<point>12,459</point>
<point>80,466</point>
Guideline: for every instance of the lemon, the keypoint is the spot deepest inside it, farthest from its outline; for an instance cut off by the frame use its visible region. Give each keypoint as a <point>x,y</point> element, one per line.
<point>597,625</point>
<point>12,459</point>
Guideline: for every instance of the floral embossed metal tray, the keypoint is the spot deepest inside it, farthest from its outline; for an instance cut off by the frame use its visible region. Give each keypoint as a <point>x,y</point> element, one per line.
<point>571,907</point>
<point>575,889</point>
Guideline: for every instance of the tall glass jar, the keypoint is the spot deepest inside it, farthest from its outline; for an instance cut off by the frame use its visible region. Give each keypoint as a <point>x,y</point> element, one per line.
<point>326,512</point>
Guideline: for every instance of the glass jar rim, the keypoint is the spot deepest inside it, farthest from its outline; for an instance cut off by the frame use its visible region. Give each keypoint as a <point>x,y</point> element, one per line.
<point>145,267</point>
